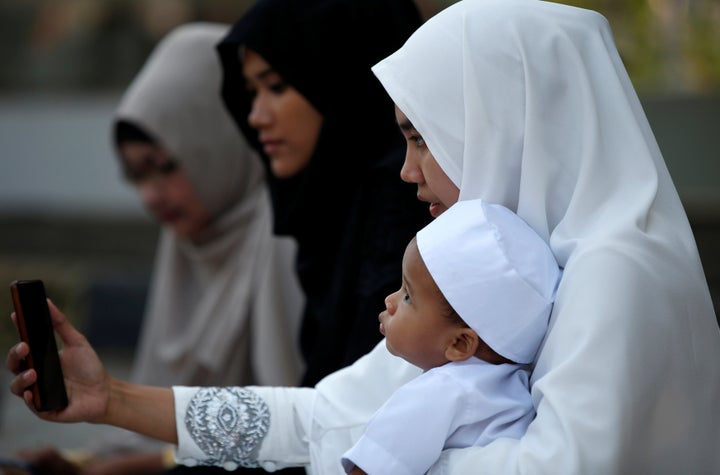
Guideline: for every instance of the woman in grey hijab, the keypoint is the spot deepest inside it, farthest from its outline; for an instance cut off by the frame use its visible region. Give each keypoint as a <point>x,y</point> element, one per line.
<point>224,303</point>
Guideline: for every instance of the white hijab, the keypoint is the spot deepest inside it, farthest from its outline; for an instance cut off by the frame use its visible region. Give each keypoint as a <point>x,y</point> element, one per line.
<point>224,312</point>
<point>527,104</point>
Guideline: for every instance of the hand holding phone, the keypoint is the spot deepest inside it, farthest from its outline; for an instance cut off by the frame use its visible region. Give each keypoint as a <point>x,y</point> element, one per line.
<point>35,327</point>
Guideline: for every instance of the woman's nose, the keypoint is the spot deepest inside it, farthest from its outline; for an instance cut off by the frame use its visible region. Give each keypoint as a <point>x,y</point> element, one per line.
<point>150,193</point>
<point>410,171</point>
<point>260,114</point>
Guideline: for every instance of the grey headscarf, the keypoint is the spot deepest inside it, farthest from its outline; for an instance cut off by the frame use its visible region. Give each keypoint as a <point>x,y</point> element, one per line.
<point>223,312</point>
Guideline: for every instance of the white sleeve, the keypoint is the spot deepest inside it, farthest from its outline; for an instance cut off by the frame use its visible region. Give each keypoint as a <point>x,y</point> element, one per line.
<point>276,427</point>
<point>407,434</point>
<point>346,401</point>
<point>248,427</point>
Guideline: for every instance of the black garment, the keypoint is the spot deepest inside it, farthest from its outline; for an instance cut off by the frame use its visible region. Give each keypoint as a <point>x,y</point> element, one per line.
<point>349,211</point>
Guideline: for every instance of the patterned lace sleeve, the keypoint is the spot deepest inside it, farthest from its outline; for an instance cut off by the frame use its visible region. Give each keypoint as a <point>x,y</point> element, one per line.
<point>228,425</point>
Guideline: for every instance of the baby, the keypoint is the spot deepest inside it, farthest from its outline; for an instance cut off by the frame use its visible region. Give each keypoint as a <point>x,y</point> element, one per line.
<point>477,289</point>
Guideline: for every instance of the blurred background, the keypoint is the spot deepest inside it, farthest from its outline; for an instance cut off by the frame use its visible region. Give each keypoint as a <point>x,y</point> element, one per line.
<point>67,217</point>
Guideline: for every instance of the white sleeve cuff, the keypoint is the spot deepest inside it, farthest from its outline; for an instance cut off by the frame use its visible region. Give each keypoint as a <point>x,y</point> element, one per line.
<point>248,427</point>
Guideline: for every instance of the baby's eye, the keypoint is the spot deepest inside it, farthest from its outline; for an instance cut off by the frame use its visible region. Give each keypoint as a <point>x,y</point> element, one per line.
<point>406,297</point>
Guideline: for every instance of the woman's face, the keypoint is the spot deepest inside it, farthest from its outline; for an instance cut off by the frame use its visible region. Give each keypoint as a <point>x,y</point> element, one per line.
<point>421,168</point>
<point>164,188</point>
<point>288,125</point>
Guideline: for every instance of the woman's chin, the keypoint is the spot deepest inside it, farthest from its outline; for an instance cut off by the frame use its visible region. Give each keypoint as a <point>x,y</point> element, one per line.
<point>436,209</point>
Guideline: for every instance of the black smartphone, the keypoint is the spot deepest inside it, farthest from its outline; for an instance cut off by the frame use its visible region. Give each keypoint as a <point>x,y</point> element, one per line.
<point>33,318</point>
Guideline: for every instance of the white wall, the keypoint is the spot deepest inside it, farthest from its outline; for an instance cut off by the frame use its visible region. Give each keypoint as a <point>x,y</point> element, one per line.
<point>56,157</point>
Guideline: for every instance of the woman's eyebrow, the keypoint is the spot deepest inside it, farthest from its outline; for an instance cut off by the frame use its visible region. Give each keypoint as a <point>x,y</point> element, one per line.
<point>265,73</point>
<point>406,126</point>
<point>262,74</point>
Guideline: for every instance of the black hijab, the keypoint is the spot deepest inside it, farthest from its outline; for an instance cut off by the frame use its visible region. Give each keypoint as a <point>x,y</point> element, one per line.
<point>325,49</point>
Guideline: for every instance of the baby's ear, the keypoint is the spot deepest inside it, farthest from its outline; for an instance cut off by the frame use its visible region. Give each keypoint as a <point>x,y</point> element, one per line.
<point>463,345</point>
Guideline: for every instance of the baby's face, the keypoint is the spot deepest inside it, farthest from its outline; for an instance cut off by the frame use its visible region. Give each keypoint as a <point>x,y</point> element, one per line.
<point>414,321</point>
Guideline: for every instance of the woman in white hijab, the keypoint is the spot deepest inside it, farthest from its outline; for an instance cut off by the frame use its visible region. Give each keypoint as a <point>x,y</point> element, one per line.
<point>527,104</point>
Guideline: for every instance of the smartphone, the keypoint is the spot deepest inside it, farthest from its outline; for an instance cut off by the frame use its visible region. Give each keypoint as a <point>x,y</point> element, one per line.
<point>33,319</point>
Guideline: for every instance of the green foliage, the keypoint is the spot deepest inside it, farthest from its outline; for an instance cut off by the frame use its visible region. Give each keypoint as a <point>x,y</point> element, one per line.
<point>667,45</point>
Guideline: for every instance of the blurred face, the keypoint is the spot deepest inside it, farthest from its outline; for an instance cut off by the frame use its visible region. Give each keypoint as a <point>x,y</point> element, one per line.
<point>420,167</point>
<point>288,125</point>
<point>414,321</point>
<point>164,188</point>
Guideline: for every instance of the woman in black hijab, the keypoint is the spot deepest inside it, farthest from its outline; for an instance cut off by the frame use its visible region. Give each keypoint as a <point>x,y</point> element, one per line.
<point>343,202</point>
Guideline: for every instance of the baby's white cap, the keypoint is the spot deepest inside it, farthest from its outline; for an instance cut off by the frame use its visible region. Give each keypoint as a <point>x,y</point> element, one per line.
<point>496,272</point>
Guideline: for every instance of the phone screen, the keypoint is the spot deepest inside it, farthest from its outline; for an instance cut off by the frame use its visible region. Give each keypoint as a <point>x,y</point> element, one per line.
<point>36,330</point>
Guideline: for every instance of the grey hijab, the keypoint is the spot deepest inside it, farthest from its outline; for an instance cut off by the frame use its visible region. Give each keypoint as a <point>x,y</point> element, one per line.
<point>224,312</point>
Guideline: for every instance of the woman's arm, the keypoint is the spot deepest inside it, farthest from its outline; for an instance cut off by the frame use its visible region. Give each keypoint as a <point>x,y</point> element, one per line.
<point>307,425</point>
<point>94,395</point>
<point>146,410</point>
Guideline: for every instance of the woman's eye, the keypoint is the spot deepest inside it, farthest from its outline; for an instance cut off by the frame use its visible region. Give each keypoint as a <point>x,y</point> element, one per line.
<point>278,87</point>
<point>419,141</point>
<point>251,92</point>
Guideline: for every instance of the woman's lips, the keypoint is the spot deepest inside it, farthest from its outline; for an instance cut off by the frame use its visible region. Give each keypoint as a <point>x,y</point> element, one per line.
<point>170,216</point>
<point>436,208</point>
<point>271,147</point>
